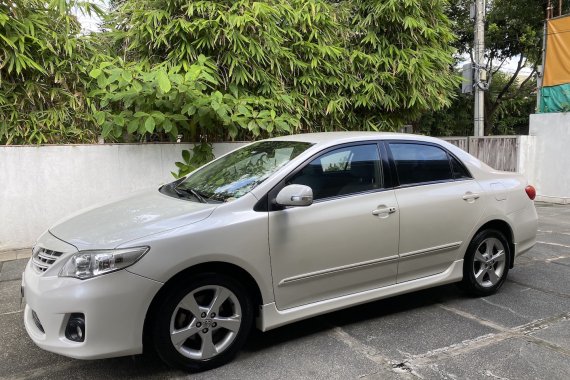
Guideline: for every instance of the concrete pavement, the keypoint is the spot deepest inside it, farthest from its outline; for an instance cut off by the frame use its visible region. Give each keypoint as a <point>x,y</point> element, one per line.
<point>522,332</point>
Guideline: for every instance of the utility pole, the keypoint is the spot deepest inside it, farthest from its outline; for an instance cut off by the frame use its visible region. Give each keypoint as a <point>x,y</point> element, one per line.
<point>479,72</point>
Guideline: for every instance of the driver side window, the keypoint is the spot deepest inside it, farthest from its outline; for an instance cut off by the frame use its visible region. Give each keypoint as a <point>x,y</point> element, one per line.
<point>343,171</point>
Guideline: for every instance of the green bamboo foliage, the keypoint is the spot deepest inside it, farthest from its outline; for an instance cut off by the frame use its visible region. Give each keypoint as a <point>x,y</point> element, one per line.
<point>42,74</point>
<point>332,65</point>
<point>401,54</point>
<point>218,70</point>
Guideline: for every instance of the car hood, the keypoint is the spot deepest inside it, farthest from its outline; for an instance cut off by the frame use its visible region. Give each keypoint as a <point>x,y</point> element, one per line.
<point>112,224</point>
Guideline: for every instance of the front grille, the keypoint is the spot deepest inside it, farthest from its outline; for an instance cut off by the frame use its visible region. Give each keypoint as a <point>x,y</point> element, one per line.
<point>43,258</point>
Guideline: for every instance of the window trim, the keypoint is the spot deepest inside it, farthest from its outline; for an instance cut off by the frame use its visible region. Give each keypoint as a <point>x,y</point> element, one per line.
<point>394,170</point>
<point>453,156</point>
<point>266,203</point>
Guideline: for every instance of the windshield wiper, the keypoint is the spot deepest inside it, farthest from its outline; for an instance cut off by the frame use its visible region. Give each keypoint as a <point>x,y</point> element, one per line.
<point>184,192</point>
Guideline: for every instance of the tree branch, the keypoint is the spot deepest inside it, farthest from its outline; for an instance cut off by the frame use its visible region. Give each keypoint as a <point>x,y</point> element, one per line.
<point>509,83</point>
<point>520,89</point>
<point>490,61</point>
<point>499,67</point>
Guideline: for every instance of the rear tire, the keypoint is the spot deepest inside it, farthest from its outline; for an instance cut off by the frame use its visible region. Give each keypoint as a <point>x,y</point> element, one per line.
<point>486,263</point>
<point>202,323</point>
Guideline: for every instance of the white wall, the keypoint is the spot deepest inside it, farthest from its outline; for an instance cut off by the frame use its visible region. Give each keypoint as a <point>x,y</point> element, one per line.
<point>42,184</point>
<point>550,171</point>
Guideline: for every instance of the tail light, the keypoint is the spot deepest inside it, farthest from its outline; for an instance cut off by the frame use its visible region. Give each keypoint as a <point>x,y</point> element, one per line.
<point>531,192</point>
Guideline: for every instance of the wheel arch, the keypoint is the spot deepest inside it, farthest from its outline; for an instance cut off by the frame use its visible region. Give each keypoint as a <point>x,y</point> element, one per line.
<point>505,228</point>
<point>218,267</point>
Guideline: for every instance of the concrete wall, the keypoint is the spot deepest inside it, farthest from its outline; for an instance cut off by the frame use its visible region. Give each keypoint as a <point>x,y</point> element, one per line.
<point>42,184</point>
<point>549,159</point>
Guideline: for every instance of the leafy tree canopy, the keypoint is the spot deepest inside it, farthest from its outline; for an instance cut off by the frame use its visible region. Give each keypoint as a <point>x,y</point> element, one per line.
<point>513,32</point>
<point>510,117</point>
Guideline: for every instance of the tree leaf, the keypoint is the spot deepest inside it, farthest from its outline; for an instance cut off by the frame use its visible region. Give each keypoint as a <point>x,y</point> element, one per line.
<point>163,81</point>
<point>186,156</point>
<point>106,129</point>
<point>100,117</point>
<point>149,124</point>
<point>95,73</point>
<point>132,126</point>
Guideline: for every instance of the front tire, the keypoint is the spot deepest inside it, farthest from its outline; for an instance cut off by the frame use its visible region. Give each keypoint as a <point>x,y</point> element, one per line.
<point>486,263</point>
<point>202,323</point>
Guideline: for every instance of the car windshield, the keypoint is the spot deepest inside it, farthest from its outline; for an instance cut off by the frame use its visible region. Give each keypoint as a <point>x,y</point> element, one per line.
<point>239,172</point>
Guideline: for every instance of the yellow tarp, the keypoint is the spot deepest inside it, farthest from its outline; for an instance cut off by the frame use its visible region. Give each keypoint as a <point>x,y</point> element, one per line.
<point>557,63</point>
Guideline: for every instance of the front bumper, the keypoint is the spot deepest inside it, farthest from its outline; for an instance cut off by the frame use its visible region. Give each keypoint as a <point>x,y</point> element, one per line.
<point>114,305</point>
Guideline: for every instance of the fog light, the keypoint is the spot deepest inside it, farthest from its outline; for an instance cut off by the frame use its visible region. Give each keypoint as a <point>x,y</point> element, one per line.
<point>37,322</point>
<point>75,329</point>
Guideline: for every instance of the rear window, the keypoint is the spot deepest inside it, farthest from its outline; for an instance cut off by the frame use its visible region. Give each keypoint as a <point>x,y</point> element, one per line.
<point>419,163</point>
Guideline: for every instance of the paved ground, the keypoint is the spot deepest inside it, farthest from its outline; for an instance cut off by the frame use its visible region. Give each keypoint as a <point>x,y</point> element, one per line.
<point>523,332</point>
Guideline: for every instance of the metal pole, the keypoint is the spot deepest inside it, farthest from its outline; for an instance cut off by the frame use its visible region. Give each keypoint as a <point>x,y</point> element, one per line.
<point>479,106</point>
<point>540,74</point>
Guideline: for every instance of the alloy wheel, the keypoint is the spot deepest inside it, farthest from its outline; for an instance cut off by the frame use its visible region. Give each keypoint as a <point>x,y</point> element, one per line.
<point>489,262</point>
<point>205,322</point>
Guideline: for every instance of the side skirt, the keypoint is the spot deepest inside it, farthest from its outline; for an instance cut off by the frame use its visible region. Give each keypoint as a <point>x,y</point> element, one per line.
<point>270,317</point>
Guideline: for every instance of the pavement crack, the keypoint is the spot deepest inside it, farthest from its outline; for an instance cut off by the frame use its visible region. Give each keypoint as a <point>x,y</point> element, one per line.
<point>370,353</point>
<point>44,372</point>
<point>492,375</point>
<point>472,317</point>
<point>554,259</point>
<point>341,335</point>
<point>541,324</point>
<point>504,308</point>
<point>12,312</point>
<point>563,264</point>
<point>404,367</point>
<point>439,354</point>
<point>546,344</point>
<point>532,261</point>
<point>466,346</point>
<point>555,244</point>
<point>553,292</point>
<point>553,232</point>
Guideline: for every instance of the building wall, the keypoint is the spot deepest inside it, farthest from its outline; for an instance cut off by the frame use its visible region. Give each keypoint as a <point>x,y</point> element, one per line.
<point>41,184</point>
<point>549,169</point>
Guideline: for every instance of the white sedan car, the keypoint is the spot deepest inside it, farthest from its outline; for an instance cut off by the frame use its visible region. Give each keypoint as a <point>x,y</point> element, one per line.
<point>274,232</point>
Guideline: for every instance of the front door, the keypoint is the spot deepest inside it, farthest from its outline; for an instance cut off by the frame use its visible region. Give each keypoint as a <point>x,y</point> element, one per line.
<point>346,241</point>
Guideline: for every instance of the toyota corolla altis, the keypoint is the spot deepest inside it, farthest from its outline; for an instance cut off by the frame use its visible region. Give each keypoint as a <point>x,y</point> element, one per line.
<point>271,233</point>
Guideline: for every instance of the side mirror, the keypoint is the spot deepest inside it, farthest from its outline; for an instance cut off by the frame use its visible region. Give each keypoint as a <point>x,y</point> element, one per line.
<point>295,195</point>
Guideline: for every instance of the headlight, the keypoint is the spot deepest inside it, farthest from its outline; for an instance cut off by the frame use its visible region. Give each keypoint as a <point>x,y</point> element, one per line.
<point>87,264</point>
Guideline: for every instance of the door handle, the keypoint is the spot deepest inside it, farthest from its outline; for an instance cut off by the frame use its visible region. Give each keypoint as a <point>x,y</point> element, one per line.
<point>469,196</point>
<point>386,210</point>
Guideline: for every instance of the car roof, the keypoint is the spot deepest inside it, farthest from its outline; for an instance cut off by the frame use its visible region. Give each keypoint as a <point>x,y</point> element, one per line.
<point>325,138</point>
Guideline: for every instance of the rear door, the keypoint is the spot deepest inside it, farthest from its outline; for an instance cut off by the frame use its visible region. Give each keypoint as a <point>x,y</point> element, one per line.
<point>438,205</point>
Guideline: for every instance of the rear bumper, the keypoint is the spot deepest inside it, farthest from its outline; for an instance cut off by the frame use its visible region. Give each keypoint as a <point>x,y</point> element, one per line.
<point>525,224</point>
<point>114,306</point>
